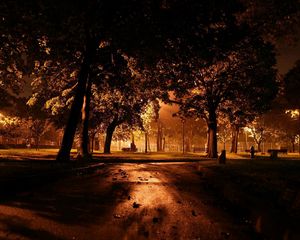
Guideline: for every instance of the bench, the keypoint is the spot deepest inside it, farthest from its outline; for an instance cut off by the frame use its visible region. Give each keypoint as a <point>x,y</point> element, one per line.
<point>248,150</point>
<point>274,152</point>
<point>198,149</point>
<point>128,149</point>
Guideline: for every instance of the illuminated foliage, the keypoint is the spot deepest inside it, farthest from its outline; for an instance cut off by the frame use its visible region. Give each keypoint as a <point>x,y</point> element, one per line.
<point>239,78</point>
<point>10,126</point>
<point>99,57</point>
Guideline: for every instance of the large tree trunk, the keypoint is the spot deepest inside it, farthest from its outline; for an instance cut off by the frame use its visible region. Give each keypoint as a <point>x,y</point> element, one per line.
<point>293,145</point>
<point>207,141</point>
<point>109,133</point>
<point>146,142</point>
<point>69,133</point>
<point>188,144</point>
<point>259,146</point>
<point>149,145</point>
<point>92,142</point>
<point>159,136</point>
<point>85,113</point>
<point>37,143</point>
<point>234,139</point>
<point>212,151</point>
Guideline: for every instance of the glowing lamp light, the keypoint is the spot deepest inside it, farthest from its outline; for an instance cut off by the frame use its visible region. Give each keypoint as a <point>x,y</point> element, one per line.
<point>293,113</point>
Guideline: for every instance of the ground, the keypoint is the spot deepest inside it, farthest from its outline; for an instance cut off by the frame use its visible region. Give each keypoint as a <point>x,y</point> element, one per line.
<point>133,199</point>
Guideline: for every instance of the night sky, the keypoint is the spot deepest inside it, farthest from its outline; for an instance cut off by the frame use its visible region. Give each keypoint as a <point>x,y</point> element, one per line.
<point>287,56</point>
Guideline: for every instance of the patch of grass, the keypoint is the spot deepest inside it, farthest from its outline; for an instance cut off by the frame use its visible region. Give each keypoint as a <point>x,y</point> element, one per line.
<point>151,156</point>
<point>29,154</point>
<point>295,156</point>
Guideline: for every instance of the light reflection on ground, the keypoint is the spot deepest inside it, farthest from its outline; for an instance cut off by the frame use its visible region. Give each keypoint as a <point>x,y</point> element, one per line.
<point>122,201</point>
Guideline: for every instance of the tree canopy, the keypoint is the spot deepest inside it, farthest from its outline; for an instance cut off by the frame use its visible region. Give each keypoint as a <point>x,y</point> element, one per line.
<point>111,58</point>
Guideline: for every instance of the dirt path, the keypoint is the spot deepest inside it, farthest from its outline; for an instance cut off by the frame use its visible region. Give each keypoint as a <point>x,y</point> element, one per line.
<point>123,201</point>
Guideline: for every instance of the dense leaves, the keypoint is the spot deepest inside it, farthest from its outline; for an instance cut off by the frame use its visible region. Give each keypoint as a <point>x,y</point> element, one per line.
<point>103,62</point>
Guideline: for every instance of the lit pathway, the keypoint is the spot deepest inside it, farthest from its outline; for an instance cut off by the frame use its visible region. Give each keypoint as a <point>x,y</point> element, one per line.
<point>121,201</point>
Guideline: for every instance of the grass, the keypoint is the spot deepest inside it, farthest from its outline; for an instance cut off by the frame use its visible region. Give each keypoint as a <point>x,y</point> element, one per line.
<point>49,154</point>
<point>29,154</point>
<point>150,156</point>
<point>241,155</point>
<point>285,168</point>
<point>17,163</point>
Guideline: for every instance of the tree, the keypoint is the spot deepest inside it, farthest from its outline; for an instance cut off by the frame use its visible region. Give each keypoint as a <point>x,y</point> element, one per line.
<point>122,96</point>
<point>258,131</point>
<point>238,119</point>
<point>147,117</point>
<point>58,31</point>
<point>43,30</point>
<point>37,129</point>
<point>211,64</point>
<point>206,88</point>
<point>193,38</point>
<point>289,127</point>
<point>291,86</point>
<point>68,32</point>
<point>128,18</point>
<point>10,126</point>
<point>224,133</point>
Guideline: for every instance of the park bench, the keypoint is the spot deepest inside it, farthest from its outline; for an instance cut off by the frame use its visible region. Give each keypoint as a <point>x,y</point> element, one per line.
<point>274,152</point>
<point>198,149</point>
<point>128,149</point>
<point>248,150</point>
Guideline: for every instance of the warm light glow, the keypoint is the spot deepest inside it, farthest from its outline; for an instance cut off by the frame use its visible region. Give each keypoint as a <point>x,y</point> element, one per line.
<point>247,130</point>
<point>293,113</point>
<point>6,120</point>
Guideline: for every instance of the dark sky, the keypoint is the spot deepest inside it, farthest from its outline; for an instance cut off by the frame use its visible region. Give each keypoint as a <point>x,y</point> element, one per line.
<point>287,56</point>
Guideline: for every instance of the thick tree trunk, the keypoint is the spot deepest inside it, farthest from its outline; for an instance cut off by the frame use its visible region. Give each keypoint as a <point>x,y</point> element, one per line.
<point>159,137</point>
<point>85,113</point>
<point>234,139</point>
<point>183,137</point>
<point>149,145</point>
<point>293,146</point>
<point>188,144</point>
<point>207,141</point>
<point>92,144</point>
<point>146,142</point>
<point>69,133</point>
<point>37,143</point>
<point>132,145</point>
<point>259,146</point>
<point>212,151</point>
<point>109,133</point>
